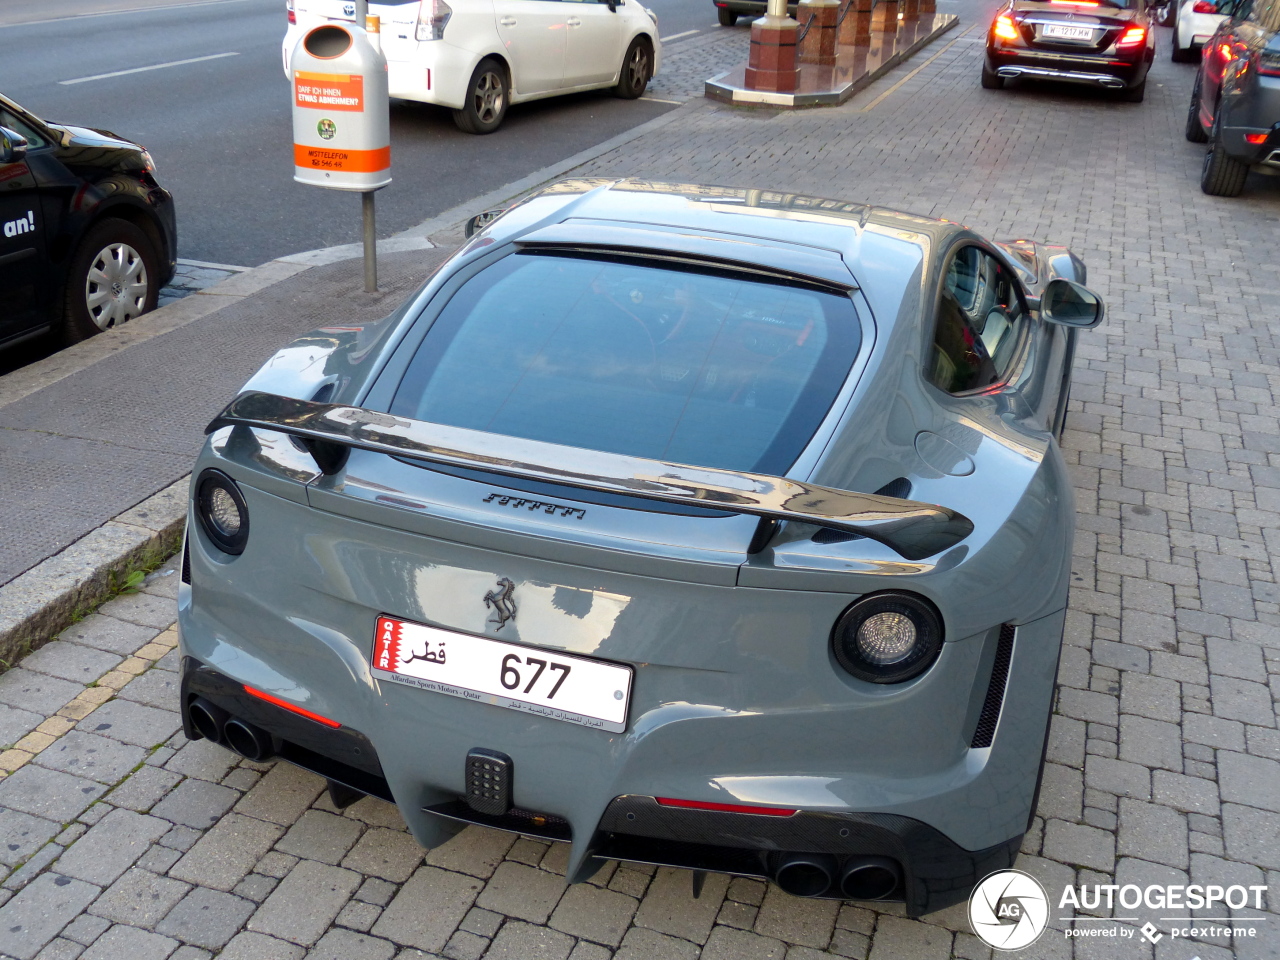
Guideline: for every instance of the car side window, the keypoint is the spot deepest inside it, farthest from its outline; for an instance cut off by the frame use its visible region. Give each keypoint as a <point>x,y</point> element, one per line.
<point>980,317</point>
<point>34,139</point>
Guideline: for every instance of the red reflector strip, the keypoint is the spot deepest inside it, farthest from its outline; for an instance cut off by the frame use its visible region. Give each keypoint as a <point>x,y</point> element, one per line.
<point>725,807</point>
<point>1256,137</point>
<point>291,707</point>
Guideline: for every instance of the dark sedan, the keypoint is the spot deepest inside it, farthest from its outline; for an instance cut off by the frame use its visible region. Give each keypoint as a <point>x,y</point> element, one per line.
<point>87,235</point>
<point>1235,104</point>
<point>1099,43</point>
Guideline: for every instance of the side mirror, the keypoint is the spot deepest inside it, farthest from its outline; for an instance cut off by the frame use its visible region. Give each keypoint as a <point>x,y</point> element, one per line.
<point>13,146</point>
<point>1070,304</point>
<point>613,5</point>
<point>480,221</point>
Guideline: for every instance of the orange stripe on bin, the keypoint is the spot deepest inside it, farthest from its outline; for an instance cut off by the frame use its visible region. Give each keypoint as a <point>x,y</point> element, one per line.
<point>346,161</point>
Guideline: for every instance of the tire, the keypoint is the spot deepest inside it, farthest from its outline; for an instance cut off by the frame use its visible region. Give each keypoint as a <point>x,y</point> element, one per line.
<point>637,68</point>
<point>990,79</point>
<point>1223,176</point>
<point>1134,94</point>
<point>114,278</point>
<point>488,94</point>
<point>726,17</point>
<point>1195,130</point>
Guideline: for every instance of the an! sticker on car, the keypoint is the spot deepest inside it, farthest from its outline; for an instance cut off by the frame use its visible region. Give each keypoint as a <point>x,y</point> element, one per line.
<point>530,679</point>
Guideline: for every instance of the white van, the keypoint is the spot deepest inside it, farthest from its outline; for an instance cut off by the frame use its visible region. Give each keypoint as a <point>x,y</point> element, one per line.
<point>479,56</point>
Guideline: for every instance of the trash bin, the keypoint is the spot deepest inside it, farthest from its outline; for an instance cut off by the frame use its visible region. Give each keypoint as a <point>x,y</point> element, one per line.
<point>341,113</point>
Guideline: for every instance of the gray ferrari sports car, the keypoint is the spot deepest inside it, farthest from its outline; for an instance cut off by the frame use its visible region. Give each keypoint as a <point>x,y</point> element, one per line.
<point>724,529</point>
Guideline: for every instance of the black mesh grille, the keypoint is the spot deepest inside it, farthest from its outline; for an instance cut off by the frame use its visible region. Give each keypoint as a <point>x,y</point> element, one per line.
<point>986,728</point>
<point>186,563</point>
<point>899,488</point>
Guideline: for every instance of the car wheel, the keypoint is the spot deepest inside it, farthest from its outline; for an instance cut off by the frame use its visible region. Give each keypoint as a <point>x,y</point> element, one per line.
<point>1195,131</point>
<point>112,280</point>
<point>726,17</point>
<point>487,97</point>
<point>1223,176</point>
<point>637,67</point>
<point>990,79</point>
<point>1136,93</point>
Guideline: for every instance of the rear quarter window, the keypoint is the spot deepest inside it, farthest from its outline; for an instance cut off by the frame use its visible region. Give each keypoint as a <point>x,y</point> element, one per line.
<point>636,357</point>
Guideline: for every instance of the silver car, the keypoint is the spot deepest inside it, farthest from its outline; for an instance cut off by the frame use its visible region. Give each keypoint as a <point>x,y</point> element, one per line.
<point>725,529</point>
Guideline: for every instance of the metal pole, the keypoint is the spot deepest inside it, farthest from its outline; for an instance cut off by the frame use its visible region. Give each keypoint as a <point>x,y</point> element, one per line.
<point>370,243</point>
<point>362,11</point>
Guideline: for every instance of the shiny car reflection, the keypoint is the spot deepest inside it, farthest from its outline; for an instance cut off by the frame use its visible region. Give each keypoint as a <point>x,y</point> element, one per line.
<point>725,529</point>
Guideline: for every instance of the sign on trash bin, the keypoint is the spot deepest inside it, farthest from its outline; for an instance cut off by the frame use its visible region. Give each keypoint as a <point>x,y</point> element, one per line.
<point>341,124</point>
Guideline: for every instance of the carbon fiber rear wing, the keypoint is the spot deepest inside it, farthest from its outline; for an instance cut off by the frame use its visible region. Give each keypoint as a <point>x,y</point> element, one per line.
<point>330,431</point>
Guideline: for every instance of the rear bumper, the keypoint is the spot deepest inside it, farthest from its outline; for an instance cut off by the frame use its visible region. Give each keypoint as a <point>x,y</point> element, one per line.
<point>1106,72</point>
<point>935,872</point>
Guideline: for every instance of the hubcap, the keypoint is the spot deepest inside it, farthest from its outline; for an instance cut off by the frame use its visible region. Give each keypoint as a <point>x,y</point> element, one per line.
<point>489,97</point>
<point>115,290</point>
<point>638,68</point>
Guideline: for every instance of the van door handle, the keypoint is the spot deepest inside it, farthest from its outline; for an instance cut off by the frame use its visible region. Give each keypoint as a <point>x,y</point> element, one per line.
<point>574,22</point>
<point>508,21</point>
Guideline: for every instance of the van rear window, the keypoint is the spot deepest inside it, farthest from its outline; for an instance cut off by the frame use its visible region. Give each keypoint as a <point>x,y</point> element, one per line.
<point>710,368</point>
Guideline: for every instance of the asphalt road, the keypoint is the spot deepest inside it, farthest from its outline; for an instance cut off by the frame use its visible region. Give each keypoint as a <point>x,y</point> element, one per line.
<point>220,128</point>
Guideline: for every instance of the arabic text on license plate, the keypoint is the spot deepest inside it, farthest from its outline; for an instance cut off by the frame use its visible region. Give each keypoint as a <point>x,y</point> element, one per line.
<point>1064,32</point>
<point>554,685</point>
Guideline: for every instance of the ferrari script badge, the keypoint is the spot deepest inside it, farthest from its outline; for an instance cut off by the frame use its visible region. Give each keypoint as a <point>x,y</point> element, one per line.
<point>500,602</point>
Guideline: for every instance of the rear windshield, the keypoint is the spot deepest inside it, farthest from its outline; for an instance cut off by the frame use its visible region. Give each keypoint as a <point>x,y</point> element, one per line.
<point>703,367</point>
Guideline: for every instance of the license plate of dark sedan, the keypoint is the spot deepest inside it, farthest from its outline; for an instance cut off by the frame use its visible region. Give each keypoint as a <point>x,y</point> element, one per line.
<point>553,685</point>
<point>1062,31</point>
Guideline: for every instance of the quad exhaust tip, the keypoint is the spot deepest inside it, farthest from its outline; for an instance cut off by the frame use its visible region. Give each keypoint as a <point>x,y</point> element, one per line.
<point>805,874</point>
<point>870,878</point>
<point>817,874</point>
<point>214,723</point>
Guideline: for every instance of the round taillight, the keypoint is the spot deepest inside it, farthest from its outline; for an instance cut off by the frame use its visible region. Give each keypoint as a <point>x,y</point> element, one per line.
<point>887,637</point>
<point>222,512</point>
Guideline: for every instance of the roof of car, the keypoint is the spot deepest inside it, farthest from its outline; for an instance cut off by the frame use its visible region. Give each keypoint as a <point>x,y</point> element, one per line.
<point>661,202</point>
<point>865,245</point>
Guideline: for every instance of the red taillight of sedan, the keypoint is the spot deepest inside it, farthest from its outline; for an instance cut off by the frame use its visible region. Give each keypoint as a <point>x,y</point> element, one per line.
<point>1133,37</point>
<point>1204,6</point>
<point>288,6</point>
<point>1005,28</point>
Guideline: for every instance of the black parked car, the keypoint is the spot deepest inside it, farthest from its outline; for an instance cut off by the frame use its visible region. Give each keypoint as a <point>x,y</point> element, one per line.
<point>1100,43</point>
<point>1235,103</point>
<point>87,236</point>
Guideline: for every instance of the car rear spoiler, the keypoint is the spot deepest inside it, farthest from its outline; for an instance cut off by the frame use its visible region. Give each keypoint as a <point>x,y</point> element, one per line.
<point>330,431</point>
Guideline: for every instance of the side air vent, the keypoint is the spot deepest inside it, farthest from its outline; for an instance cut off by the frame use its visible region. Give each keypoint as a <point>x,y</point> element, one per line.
<point>990,716</point>
<point>186,563</point>
<point>899,489</point>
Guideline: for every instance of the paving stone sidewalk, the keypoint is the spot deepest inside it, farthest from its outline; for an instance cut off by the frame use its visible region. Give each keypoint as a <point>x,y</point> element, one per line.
<point>122,840</point>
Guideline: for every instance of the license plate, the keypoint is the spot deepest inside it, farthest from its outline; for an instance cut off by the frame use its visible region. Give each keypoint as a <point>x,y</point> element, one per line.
<point>1062,31</point>
<point>553,685</point>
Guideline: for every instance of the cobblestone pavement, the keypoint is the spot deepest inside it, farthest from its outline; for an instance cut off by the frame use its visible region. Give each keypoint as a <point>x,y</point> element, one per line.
<point>124,841</point>
<point>194,275</point>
